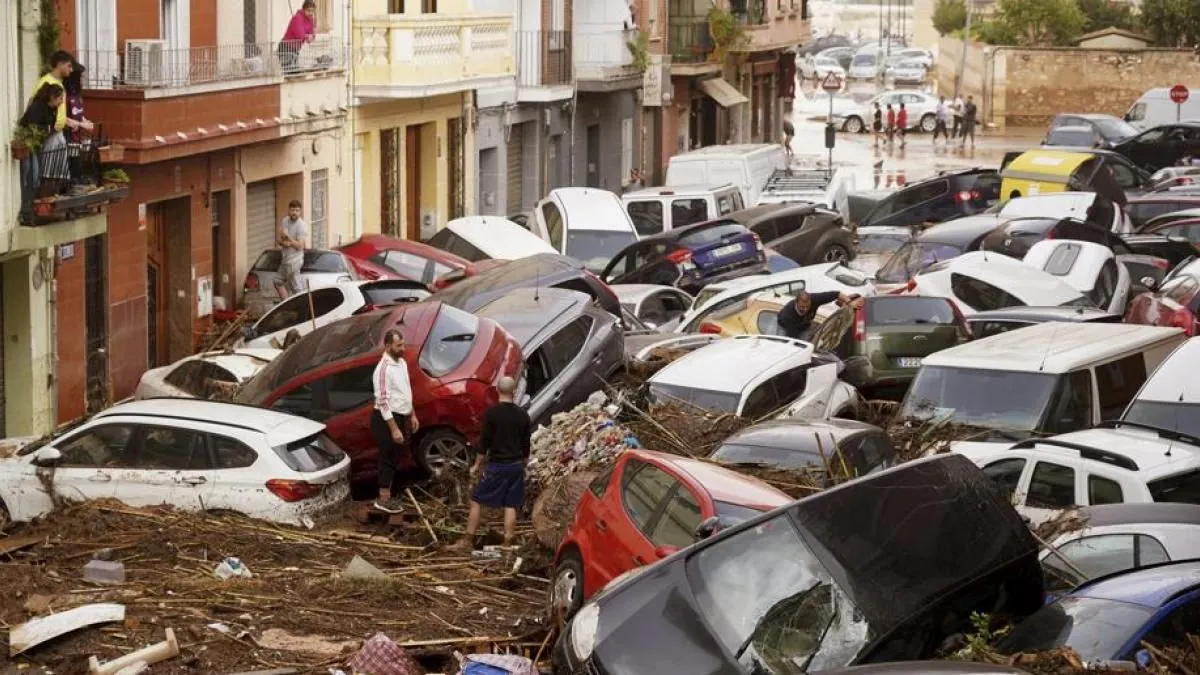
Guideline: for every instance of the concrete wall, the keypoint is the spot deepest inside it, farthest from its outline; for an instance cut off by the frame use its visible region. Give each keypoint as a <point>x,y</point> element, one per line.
<point>1026,87</point>
<point>546,152</point>
<point>616,158</point>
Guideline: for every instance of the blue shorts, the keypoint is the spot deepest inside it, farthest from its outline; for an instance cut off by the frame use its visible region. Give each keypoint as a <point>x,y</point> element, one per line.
<point>502,486</point>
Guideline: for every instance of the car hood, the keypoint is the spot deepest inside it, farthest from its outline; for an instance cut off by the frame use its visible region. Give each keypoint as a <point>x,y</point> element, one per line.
<point>9,447</point>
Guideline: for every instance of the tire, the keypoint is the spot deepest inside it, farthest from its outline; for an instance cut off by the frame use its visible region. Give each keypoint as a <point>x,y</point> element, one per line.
<point>5,517</point>
<point>854,125</point>
<point>928,123</point>
<point>835,253</point>
<point>442,448</point>
<point>566,589</point>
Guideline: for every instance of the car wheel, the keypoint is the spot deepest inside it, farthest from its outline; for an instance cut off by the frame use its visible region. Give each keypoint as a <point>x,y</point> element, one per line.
<point>5,517</point>
<point>928,123</point>
<point>442,449</point>
<point>854,125</point>
<point>566,593</point>
<point>835,253</point>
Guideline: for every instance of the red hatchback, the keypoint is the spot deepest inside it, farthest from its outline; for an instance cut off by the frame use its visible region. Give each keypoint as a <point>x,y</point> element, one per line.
<point>413,260</point>
<point>1175,303</point>
<point>646,507</point>
<point>454,358</point>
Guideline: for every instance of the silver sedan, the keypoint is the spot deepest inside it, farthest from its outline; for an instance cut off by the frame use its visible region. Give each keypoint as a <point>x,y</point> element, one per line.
<point>921,107</point>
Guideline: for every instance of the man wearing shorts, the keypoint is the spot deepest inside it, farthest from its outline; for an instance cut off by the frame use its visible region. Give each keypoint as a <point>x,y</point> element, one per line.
<point>293,239</point>
<point>504,444</point>
<point>789,132</point>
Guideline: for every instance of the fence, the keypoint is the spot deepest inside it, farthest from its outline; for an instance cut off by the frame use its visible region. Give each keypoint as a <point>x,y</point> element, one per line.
<point>543,58</point>
<point>61,176</point>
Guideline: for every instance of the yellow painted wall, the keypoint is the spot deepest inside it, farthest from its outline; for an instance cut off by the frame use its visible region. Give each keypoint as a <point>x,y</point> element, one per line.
<point>436,111</point>
<point>28,359</point>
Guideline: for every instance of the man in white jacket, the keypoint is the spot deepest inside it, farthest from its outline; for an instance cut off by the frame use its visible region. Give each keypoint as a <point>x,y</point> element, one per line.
<point>393,422</point>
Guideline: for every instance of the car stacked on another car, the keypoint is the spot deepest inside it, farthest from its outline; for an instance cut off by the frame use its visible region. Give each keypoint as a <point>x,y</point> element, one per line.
<point>805,233</point>
<point>978,281</point>
<point>542,270</point>
<point>835,446</point>
<point>1175,302</point>
<point>945,196</point>
<point>996,321</point>
<point>689,257</point>
<point>263,287</point>
<point>413,260</point>
<point>658,307</point>
<point>207,375</point>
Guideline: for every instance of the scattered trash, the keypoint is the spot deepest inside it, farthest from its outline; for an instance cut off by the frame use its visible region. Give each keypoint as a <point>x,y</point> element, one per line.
<point>103,554</point>
<point>36,631</point>
<point>37,603</point>
<point>579,439</point>
<point>497,664</point>
<point>381,656</point>
<point>134,669</point>
<point>277,638</point>
<point>231,567</point>
<point>104,572</point>
<point>167,649</point>
<point>219,627</point>
<point>358,568</point>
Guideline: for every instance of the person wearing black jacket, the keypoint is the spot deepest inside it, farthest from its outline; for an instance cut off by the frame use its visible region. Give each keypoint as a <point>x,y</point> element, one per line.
<point>796,318</point>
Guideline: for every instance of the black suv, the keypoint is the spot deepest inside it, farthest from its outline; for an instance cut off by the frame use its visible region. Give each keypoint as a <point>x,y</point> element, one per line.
<point>948,195</point>
<point>805,233</point>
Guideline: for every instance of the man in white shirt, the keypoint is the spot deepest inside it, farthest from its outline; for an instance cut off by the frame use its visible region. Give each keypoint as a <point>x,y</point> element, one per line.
<point>393,423</point>
<point>293,239</point>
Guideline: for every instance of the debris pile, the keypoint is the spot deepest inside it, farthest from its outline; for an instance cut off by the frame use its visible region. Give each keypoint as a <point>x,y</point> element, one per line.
<point>682,430</point>
<point>581,439</point>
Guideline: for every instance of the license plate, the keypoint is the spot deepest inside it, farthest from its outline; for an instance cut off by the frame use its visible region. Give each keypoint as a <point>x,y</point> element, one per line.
<point>728,250</point>
<point>909,362</point>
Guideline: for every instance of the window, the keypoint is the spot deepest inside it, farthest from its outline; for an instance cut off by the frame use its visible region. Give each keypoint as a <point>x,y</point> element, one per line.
<point>830,334</point>
<point>907,310</point>
<point>620,266</point>
<point>1124,175</point>
<point>171,449</point>
<point>312,454</point>
<point>647,217</point>
<point>708,235</point>
<point>775,393</point>
<point>1106,285</point>
<point>1051,487</point>
<point>1181,290</point>
<point>450,341</point>
<point>105,445</point>
<point>298,401</point>
<point>196,377</point>
<point>343,391</point>
<point>920,193</point>
<point>980,295</point>
<point>406,265</point>
<point>1104,491</point>
<point>567,344</point>
<point>1007,474</point>
<point>1117,383</point>
<point>295,310</point>
<point>1062,259</point>
<point>554,225</point>
<point>679,520</point>
<point>688,212</point>
<point>319,204</point>
<point>1071,406</point>
<point>767,323</point>
<point>652,310</point>
<point>449,242</point>
<point>1101,555</point>
<point>643,487</point>
<point>674,305</point>
<point>231,453</point>
<point>725,206</point>
<point>599,484</point>
<point>384,293</point>
<point>1181,488</point>
<point>1175,629</point>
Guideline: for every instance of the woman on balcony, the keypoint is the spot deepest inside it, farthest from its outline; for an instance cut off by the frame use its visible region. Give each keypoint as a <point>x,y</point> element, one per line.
<point>42,169</point>
<point>301,29</point>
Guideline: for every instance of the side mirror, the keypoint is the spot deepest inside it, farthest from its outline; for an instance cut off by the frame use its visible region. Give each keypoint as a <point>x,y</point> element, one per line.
<point>46,456</point>
<point>665,551</point>
<point>707,528</point>
<point>248,333</point>
<point>1148,283</point>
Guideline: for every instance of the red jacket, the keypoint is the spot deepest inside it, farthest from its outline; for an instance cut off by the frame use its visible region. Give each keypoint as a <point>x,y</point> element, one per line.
<point>300,29</point>
<point>902,119</point>
<point>891,117</point>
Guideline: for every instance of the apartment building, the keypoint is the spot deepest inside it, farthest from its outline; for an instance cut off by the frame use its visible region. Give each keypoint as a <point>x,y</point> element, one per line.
<point>219,133</point>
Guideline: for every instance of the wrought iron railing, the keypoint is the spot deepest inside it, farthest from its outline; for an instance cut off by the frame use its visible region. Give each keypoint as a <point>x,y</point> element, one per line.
<point>688,39</point>
<point>543,58</point>
<point>65,179</point>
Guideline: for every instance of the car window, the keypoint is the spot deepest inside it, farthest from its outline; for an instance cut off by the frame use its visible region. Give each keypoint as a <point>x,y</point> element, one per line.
<point>102,446</point>
<point>1176,629</point>
<point>295,310</point>
<point>296,401</point>
<point>767,323</point>
<point>647,217</point>
<point>448,241</point>
<point>1106,284</point>
<point>554,224</point>
<point>688,212</point>
<point>982,329</point>
<point>1101,555</point>
<point>1124,175</point>
<point>1006,473</point>
<point>599,484</point>
<point>643,488</point>
<point>830,334</point>
<point>1070,407</point>
<point>652,310</point>
<point>1180,289</point>
<point>450,341</point>
<point>761,402</point>
<point>1051,487</point>
<point>620,266</point>
<point>906,310</point>
<point>342,392</point>
<point>706,235</point>
<point>674,304</point>
<point>1181,488</point>
<point>767,230</point>
<point>1104,491</point>
<point>920,193</point>
<point>173,449</point>
<point>315,262</point>
<point>679,520</point>
<point>1117,382</point>
<point>230,453</point>
<point>775,393</point>
<point>980,295</point>
<point>312,454</point>
<point>727,205</point>
<point>405,264</point>
<point>568,344</point>
<point>197,377</point>
<point>382,294</point>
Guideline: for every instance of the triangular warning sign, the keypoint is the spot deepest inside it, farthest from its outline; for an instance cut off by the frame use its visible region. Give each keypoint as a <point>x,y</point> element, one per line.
<point>831,82</point>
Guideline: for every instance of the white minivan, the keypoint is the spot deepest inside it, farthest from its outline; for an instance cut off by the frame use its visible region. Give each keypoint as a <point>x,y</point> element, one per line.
<point>747,166</point>
<point>1155,107</point>
<point>588,224</point>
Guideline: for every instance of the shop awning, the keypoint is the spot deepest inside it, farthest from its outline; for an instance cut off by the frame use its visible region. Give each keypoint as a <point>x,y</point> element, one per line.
<point>722,92</point>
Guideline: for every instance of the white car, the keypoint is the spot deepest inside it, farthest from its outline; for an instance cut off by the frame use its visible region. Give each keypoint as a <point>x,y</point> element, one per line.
<point>908,72</point>
<point>1113,463</point>
<point>198,376</point>
<point>658,307</point>
<point>305,312</point>
<point>1170,397</point>
<point>488,238</point>
<point>923,57</point>
<point>980,280</point>
<point>755,376</point>
<point>588,224</point>
<point>1088,267</point>
<point>865,66</point>
<point>816,67</point>
<point>190,454</point>
<point>921,108</point>
<point>263,287</point>
<point>1065,205</point>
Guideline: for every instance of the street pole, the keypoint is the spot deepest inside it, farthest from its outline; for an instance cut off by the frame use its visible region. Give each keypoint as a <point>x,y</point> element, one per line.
<point>829,125</point>
<point>962,58</point>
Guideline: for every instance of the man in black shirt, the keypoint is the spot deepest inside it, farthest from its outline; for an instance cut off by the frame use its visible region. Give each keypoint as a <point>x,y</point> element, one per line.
<point>796,318</point>
<point>503,450</point>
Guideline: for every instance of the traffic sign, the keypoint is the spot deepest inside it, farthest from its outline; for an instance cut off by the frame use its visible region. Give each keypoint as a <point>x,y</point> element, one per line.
<point>833,83</point>
<point>1179,94</point>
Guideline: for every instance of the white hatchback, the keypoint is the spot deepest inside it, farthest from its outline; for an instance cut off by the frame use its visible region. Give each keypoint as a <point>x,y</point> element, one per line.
<point>1089,268</point>
<point>201,375</point>
<point>186,453</point>
<point>979,281</point>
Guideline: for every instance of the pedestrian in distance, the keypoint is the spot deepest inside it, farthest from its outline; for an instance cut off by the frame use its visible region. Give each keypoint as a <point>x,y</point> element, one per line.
<point>635,180</point>
<point>393,423</point>
<point>941,118</point>
<point>970,111</point>
<point>796,318</point>
<point>891,124</point>
<point>877,123</point>
<point>957,111</point>
<point>301,29</point>
<point>292,239</point>
<point>789,132</point>
<point>902,125</point>
<point>504,445</point>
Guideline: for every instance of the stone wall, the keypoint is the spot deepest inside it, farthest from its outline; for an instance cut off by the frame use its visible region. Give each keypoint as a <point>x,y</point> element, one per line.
<point>1026,87</point>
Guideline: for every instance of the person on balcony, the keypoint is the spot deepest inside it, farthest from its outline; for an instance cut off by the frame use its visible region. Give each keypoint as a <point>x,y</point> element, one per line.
<point>48,161</point>
<point>62,64</point>
<point>73,85</point>
<point>301,29</point>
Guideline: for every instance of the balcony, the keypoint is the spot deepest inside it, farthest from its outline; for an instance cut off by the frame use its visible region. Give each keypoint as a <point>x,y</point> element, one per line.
<point>690,44</point>
<point>602,55</point>
<point>419,55</point>
<point>545,70</point>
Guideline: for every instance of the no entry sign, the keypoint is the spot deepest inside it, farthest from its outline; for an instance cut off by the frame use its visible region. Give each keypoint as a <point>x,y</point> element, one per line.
<point>1179,94</point>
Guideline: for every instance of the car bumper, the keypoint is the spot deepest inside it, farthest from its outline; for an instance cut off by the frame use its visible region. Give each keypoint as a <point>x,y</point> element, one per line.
<point>563,661</point>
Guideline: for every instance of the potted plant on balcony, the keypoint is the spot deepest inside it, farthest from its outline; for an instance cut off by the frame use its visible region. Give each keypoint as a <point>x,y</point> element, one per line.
<point>26,140</point>
<point>727,33</point>
<point>115,178</point>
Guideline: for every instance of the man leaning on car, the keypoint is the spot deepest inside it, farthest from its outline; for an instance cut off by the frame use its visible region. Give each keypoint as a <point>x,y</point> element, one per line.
<point>796,317</point>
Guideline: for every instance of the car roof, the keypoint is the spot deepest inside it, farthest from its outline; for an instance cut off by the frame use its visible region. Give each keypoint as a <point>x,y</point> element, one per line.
<point>1052,347</point>
<point>1041,314</point>
<point>733,364</point>
<point>1139,513</point>
<point>526,312</point>
<point>1152,586</point>
<point>1085,267</point>
<point>961,231</point>
<point>724,485</point>
<point>280,428</point>
<point>590,203</point>
<point>678,190</point>
<point>784,433</point>
<point>1173,380</point>
<point>498,237</point>
<point>243,362</point>
<point>754,214</point>
<point>1025,282</point>
<point>384,242</point>
<point>545,269</point>
<point>1155,455</point>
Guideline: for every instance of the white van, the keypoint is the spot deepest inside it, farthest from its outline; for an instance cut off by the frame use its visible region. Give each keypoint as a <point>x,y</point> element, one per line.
<point>588,224</point>
<point>1155,107</point>
<point>658,209</point>
<point>1170,399</point>
<point>488,237</point>
<point>746,166</point>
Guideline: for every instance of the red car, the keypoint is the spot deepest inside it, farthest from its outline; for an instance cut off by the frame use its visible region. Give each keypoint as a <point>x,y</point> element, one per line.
<point>646,507</point>
<point>1176,302</point>
<point>412,260</point>
<point>455,359</point>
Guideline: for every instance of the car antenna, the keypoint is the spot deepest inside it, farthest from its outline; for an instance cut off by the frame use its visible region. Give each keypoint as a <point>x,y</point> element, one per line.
<point>537,284</point>
<point>1171,441</point>
<point>1046,354</point>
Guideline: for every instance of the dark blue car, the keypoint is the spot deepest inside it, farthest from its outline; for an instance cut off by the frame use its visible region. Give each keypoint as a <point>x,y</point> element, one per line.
<point>1110,617</point>
<point>946,196</point>
<point>689,257</point>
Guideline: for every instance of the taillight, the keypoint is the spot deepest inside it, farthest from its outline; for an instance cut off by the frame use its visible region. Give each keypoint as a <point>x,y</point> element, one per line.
<point>966,196</point>
<point>366,308</point>
<point>293,490</point>
<point>1051,235</point>
<point>757,242</point>
<point>709,328</point>
<point>251,282</point>
<point>1182,318</point>
<point>1162,263</point>
<point>1185,181</point>
<point>906,288</point>
<point>860,324</point>
<point>679,256</point>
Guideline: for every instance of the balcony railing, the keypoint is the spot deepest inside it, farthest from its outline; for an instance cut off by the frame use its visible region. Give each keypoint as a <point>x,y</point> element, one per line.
<point>602,52</point>
<point>66,180</point>
<point>151,64</point>
<point>543,58</point>
<point>689,40</point>
<point>418,51</point>
<point>750,12</point>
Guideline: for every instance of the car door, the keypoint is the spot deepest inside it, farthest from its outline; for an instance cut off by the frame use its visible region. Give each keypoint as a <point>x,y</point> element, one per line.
<point>92,460</point>
<point>235,479</point>
<point>342,400</point>
<point>1173,628</point>
<point>175,467</point>
<point>1053,486</point>
<point>570,370</point>
<point>676,522</point>
<point>652,312</point>
<point>675,304</point>
<point>622,527</point>
<point>1125,174</point>
<point>1010,475</point>
<point>621,267</point>
<point>1100,555</point>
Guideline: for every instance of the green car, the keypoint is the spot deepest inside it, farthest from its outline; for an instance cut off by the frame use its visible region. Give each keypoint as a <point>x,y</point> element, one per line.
<point>883,342</point>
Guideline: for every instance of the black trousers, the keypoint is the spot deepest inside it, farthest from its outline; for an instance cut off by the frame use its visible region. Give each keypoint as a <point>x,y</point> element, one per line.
<point>397,470</point>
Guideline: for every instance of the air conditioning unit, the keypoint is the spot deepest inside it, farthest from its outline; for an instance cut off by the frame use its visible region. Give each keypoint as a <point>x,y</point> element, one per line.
<point>145,63</point>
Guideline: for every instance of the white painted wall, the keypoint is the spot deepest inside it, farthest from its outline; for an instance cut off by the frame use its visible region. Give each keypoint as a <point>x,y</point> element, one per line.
<point>13,90</point>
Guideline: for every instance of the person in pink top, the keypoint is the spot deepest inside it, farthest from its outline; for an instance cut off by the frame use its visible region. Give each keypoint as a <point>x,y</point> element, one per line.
<point>301,29</point>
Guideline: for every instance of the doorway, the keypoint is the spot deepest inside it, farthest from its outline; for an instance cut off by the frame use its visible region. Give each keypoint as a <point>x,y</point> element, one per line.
<point>169,329</point>
<point>392,213</point>
<point>593,155</point>
<point>412,182</point>
<point>222,247</point>
<point>95,309</point>
<point>703,122</point>
<point>156,288</point>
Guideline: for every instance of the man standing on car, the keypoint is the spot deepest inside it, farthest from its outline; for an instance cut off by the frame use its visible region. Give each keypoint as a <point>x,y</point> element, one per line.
<point>393,422</point>
<point>796,318</point>
<point>293,239</point>
<point>504,445</point>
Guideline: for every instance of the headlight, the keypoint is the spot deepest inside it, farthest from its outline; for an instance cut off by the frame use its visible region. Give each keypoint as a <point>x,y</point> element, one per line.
<point>583,631</point>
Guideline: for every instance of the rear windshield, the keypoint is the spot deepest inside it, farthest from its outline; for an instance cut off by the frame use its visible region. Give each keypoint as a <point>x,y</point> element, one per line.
<point>450,341</point>
<point>711,234</point>
<point>863,60</point>
<point>315,262</point>
<point>782,458</point>
<point>447,241</point>
<point>1182,488</point>
<point>381,296</point>
<point>594,248</point>
<point>899,311</point>
<point>880,243</point>
<point>704,399</point>
<point>1174,415</point>
<point>913,257</point>
<point>309,455</point>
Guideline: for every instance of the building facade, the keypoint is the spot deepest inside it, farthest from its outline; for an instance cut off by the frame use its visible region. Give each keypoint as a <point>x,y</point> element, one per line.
<point>608,79</point>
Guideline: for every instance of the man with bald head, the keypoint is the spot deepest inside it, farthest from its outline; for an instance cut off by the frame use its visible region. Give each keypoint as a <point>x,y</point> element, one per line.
<point>503,450</point>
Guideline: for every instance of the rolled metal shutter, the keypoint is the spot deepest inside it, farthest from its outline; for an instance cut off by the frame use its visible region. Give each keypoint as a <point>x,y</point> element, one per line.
<point>516,157</point>
<point>260,219</point>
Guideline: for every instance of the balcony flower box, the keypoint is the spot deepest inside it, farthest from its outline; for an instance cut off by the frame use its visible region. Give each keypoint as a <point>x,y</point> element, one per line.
<point>43,207</point>
<point>19,150</point>
<point>115,178</point>
<point>111,154</point>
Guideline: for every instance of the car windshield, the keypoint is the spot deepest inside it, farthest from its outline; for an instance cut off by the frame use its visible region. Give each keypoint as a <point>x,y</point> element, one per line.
<point>1137,112</point>
<point>594,248</point>
<point>315,262</point>
<point>863,60</point>
<point>1093,627</point>
<point>772,604</point>
<point>734,514</point>
<point>913,257</point>
<point>880,243</point>
<point>309,455</point>
<point>704,399</point>
<point>908,310</point>
<point>1173,415</point>
<point>1003,400</point>
<point>1115,129</point>
<point>781,458</point>
<point>449,342</point>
